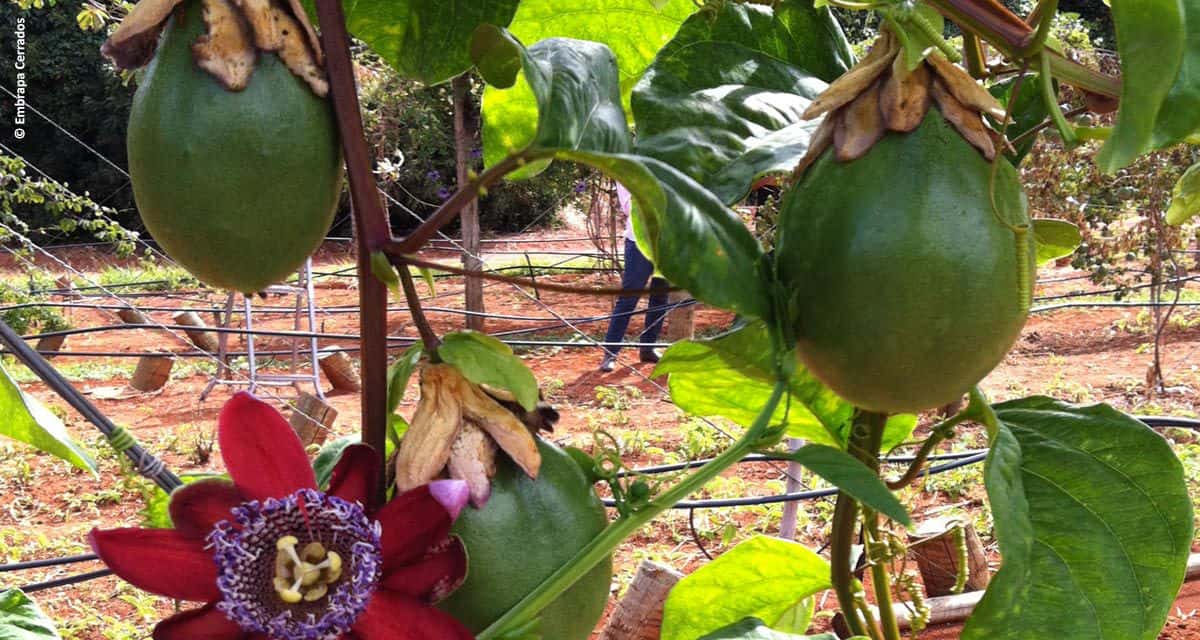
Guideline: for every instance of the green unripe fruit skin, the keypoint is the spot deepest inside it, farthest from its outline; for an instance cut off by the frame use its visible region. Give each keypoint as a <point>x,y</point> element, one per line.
<point>906,282</point>
<point>237,186</point>
<point>527,530</point>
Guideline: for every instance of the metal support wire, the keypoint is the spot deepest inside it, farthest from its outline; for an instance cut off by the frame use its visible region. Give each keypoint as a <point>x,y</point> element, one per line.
<point>145,462</point>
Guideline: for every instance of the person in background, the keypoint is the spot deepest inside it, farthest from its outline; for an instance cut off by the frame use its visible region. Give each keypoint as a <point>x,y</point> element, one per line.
<point>638,270</point>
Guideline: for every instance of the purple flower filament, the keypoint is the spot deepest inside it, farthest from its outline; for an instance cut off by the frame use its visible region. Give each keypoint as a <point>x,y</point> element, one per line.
<point>250,555</point>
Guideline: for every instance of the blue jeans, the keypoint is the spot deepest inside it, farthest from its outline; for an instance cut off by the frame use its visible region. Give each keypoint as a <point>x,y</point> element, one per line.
<point>638,270</point>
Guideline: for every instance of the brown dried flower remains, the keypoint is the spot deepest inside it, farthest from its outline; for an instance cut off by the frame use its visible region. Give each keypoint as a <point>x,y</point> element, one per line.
<point>880,94</point>
<point>237,32</point>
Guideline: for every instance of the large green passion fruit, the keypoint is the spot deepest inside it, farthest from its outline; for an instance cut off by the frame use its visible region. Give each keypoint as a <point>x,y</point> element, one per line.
<point>527,530</point>
<point>238,186</point>
<point>906,267</point>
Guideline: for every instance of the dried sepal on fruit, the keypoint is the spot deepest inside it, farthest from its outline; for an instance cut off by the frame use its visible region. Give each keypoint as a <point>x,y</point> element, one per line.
<point>882,94</point>
<point>237,31</point>
<point>456,430</point>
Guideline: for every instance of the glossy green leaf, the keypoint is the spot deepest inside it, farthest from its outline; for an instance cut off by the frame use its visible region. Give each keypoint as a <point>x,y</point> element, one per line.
<point>1094,523</point>
<point>24,419</point>
<point>1185,197</point>
<point>399,374</point>
<point>22,619</point>
<point>849,474</point>
<point>1055,239</point>
<point>1026,113</point>
<point>328,457</point>
<point>762,578</point>
<point>483,359</point>
<point>731,376</point>
<point>755,629</point>
<point>897,429</point>
<point>426,40</point>
<point>383,271</point>
<point>722,101</point>
<point>155,514</point>
<point>1150,41</point>
<point>1179,116</point>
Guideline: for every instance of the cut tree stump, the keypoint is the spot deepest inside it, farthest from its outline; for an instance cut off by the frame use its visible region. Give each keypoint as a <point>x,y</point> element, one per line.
<point>132,316</point>
<point>152,372</point>
<point>339,370</point>
<point>681,320</point>
<point>638,616</point>
<point>934,546</point>
<point>49,344</point>
<point>312,418</point>
<point>204,340</point>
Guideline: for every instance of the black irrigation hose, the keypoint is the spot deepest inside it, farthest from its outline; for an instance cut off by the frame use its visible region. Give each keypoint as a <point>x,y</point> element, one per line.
<point>1100,292</point>
<point>49,562</point>
<point>67,581</point>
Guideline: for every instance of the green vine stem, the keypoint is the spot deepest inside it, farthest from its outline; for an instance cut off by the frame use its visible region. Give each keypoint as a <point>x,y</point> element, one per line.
<point>603,544</point>
<point>845,517</point>
<point>873,424</point>
<point>941,432</point>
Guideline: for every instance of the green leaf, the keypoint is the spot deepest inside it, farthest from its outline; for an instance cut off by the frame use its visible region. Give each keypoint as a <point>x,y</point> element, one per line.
<point>731,376</point>
<point>1094,523</point>
<point>483,359</point>
<point>1151,42</point>
<point>722,101</point>
<point>849,474</point>
<point>1026,113</point>
<point>399,373</point>
<point>1055,239</point>
<point>22,619</point>
<point>1179,115</point>
<point>24,419</point>
<point>156,513</point>
<point>762,577</point>
<point>328,457</point>
<point>755,629</point>
<point>896,430</point>
<point>426,40</point>
<point>382,269</point>
<point>1185,197</point>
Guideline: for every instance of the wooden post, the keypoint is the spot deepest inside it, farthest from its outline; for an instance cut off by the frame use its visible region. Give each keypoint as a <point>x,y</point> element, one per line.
<point>638,616</point>
<point>791,508</point>
<point>312,419</point>
<point>339,370</point>
<point>934,545</point>
<point>50,344</point>
<point>681,320</point>
<point>132,316</point>
<point>466,126</point>
<point>152,372</point>
<point>204,340</point>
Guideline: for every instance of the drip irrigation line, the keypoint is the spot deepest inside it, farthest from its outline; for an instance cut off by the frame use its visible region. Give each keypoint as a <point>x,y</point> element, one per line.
<point>1101,292</point>
<point>49,562</point>
<point>1076,305</point>
<point>69,580</point>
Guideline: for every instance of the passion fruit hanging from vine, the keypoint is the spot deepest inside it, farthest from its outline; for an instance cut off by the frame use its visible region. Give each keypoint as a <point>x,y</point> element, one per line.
<point>233,149</point>
<point>906,240</point>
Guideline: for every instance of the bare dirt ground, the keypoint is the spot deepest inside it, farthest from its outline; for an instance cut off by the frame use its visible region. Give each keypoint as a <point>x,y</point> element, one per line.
<point>46,509</point>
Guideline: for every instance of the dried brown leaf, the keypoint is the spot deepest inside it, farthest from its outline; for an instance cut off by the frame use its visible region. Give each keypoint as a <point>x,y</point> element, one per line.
<point>132,44</point>
<point>820,141</point>
<point>504,427</point>
<point>314,42</point>
<point>904,102</point>
<point>297,55</point>
<point>856,80</point>
<point>260,15</point>
<point>861,126</point>
<point>966,121</point>
<point>965,89</point>
<point>227,51</point>
<point>435,426</point>
<point>473,460</point>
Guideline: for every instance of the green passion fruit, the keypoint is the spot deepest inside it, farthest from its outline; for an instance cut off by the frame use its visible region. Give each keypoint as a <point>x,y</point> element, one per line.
<point>527,530</point>
<point>910,278</point>
<point>238,186</point>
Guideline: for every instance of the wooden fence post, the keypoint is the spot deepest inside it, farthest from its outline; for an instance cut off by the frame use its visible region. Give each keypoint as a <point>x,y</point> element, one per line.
<point>638,616</point>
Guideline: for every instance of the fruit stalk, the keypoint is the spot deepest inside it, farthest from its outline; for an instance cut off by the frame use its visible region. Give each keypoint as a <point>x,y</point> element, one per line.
<point>608,539</point>
<point>370,225</point>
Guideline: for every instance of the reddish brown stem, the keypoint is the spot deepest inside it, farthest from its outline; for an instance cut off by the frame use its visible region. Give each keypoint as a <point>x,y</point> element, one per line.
<point>370,225</point>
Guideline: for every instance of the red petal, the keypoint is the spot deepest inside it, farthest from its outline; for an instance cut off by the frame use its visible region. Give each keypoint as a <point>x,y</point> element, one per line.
<point>417,520</point>
<point>261,452</point>
<point>205,623</point>
<point>392,616</point>
<point>160,561</point>
<point>356,474</point>
<point>433,577</point>
<point>196,507</point>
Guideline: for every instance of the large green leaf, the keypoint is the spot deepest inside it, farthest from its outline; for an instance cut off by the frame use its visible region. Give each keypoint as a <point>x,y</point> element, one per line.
<point>722,101</point>
<point>731,376</point>
<point>156,513</point>
<point>1094,523</point>
<point>1025,114</point>
<point>25,419</point>
<point>483,359</point>
<point>763,578</point>
<point>1151,42</point>
<point>1185,197</point>
<point>399,373</point>
<point>1055,239</point>
<point>755,629</point>
<point>22,619</point>
<point>1179,116</point>
<point>847,473</point>
<point>425,40</point>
